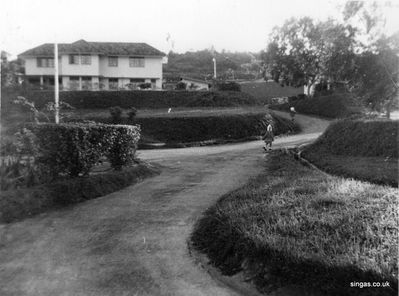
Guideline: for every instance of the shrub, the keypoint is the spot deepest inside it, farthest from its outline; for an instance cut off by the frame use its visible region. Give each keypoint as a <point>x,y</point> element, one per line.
<point>146,85</point>
<point>73,149</point>
<point>123,145</point>
<point>228,85</point>
<point>193,129</point>
<point>116,114</point>
<point>131,114</point>
<point>334,106</point>
<point>18,167</point>
<point>181,85</point>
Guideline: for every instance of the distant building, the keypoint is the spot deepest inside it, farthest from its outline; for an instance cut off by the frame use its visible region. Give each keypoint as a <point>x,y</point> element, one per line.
<point>195,84</point>
<point>96,65</point>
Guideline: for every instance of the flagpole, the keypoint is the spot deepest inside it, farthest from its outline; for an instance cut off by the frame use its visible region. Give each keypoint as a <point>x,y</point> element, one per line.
<point>56,86</point>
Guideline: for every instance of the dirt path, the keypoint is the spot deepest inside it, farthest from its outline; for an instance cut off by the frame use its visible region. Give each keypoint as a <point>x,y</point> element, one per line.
<point>132,242</point>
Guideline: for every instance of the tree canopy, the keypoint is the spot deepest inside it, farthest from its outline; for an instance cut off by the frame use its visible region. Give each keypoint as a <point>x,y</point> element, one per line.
<point>354,53</point>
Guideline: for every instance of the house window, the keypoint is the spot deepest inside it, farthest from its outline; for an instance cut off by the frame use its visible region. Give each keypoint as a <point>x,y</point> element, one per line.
<point>137,62</point>
<point>74,59</point>
<point>85,59</point>
<point>74,83</point>
<point>86,82</point>
<point>113,83</point>
<point>137,80</point>
<point>45,62</point>
<point>113,61</point>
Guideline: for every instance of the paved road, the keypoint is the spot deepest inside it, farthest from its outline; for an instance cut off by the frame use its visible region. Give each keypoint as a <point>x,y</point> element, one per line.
<point>133,242</point>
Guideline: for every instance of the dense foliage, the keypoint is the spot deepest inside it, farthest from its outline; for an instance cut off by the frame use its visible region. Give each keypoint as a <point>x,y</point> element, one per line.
<point>334,106</point>
<point>228,86</point>
<point>188,129</point>
<point>73,149</point>
<point>357,56</point>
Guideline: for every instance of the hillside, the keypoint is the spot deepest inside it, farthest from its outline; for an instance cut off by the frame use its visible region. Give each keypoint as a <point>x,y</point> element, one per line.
<point>198,64</point>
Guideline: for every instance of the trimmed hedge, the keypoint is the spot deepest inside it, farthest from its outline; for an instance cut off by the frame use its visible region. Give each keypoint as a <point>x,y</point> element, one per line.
<point>195,129</point>
<point>360,138</point>
<point>138,99</point>
<point>23,203</point>
<point>74,148</point>
<point>334,106</point>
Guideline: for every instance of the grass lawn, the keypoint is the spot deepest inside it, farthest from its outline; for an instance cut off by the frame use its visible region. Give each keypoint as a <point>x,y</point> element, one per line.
<point>379,170</point>
<point>294,225</point>
<point>267,90</point>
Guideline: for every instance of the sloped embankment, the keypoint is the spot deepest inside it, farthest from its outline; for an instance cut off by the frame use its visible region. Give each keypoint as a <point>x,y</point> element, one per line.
<point>366,150</point>
<point>294,226</point>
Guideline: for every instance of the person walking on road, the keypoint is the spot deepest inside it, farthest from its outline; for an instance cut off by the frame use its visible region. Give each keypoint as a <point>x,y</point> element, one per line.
<point>268,137</point>
<point>292,113</point>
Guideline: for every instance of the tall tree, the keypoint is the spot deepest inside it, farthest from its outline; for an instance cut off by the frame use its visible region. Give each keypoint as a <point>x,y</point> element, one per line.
<point>303,52</point>
<point>376,77</point>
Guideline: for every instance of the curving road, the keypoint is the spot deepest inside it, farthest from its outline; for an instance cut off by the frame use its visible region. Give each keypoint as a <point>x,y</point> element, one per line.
<point>134,242</point>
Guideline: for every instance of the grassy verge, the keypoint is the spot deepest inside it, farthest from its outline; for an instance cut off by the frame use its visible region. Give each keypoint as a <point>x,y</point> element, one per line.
<point>293,225</point>
<point>379,170</point>
<point>22,203</point>
<point>365,150</point>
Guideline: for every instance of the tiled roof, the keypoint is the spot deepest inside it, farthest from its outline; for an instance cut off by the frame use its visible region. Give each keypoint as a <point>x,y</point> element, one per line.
<point>102,48</point>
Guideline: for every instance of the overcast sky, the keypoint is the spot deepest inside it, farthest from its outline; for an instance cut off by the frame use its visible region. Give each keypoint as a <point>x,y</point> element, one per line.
<point>233,25</point>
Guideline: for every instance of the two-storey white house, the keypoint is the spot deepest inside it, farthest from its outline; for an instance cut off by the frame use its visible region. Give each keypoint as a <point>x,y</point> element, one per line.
<point>96,65</point>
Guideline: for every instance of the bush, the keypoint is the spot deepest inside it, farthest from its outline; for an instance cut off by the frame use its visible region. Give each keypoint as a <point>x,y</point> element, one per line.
<point>131,114</point>
<point>123,147</point>
<point>193,129</point>
<point>181,85</point>
<point>334,106</point>
<point>228,86</point>
<point>146,85</point>
<point>139,99</point>
<point>116,114</point>
<point>73,149</point>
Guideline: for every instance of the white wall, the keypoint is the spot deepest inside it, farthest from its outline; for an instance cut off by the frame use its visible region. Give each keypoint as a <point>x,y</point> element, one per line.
<point>152,68</point>
<point>31,68</point>
<point>79,69</point>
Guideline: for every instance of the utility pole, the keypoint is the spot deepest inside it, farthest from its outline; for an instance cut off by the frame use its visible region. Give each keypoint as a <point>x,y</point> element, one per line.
<point>56,86</point>
<point>214,68</point>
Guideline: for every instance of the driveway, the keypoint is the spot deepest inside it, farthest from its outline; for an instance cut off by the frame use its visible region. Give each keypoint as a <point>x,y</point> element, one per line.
<point>134,241</point>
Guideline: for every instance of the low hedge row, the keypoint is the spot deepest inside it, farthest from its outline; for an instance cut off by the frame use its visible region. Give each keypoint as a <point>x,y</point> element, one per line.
<point>138,99</point>
<point>194,129</point>
<point>334,106</point>
<point>22,203</point>
<point>74,148</point>
<point>360,138</point>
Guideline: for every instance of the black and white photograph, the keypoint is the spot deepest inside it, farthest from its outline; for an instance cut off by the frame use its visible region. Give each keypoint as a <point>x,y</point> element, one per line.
<point>199,148</point>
